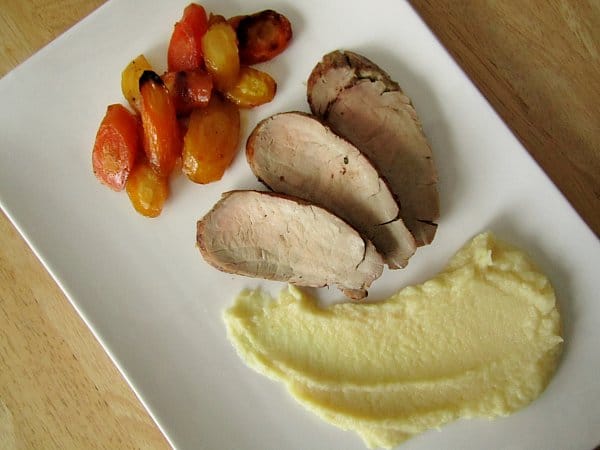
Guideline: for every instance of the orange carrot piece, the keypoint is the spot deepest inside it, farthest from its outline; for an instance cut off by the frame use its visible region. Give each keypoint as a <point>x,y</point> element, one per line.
<point>162,141</point>
<point>188,89</point>
<point>185,49</point>
<point>117,144</point>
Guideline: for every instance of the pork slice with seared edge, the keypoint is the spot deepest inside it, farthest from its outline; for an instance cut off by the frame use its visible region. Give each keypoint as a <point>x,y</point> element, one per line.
<point>296,154</point>
<point>363,104</point>
<point>282,238</point>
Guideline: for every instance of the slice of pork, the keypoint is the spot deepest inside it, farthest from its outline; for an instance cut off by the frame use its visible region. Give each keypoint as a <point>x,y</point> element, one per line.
<point>281,238</point>
<point>362,103</point>
<point>296,154</point>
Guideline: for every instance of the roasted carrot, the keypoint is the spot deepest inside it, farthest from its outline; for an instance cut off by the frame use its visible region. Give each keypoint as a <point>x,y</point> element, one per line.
<point>221,57</point>
<point>162,141</point>
<point>147,190</point>
<point>252,88</point>
<point>188,89</point>
<point>130,80</point>
<point>262,36</point>
<point>185,49</point>
<point>211,141</point>
<point>117,144</point>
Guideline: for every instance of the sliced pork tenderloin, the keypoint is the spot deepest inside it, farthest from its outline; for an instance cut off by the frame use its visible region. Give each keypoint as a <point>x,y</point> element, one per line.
<point>296,154</point>
<point>363,104</point>
<point>276,237</point>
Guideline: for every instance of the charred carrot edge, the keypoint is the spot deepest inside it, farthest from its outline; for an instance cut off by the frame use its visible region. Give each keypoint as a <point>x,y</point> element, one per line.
<point>150,75</point>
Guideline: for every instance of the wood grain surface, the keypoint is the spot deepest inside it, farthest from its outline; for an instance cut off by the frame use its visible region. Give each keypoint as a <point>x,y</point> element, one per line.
<point>58,389</point>
<point>537,62</point>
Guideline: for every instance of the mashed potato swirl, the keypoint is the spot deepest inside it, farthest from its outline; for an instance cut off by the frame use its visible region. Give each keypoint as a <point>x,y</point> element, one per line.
<point>481,339</point>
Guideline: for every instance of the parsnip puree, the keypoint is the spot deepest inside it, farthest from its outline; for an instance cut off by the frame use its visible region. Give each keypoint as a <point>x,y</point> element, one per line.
<point>481,339</point>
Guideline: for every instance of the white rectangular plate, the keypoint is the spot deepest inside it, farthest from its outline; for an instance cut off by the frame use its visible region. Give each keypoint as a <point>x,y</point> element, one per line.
<point>156,306</point>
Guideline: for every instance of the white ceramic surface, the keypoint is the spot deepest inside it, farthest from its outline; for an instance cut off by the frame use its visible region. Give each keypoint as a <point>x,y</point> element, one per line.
<point>143,288</point>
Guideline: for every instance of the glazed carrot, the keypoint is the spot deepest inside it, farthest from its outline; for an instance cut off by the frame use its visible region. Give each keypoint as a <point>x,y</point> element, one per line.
<point>211,141</point>
<point>162,142</point>
<point>262,36</point>
<point>117,144</point>
<point>130,80</point>
<point>185,49</point>
<point>252,88</point>
<point>221,56</point>
<point>146,189</point>
<point>188,89</point>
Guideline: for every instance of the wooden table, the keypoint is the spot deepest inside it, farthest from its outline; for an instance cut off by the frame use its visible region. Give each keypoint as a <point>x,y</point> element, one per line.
<point>537,62</point>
